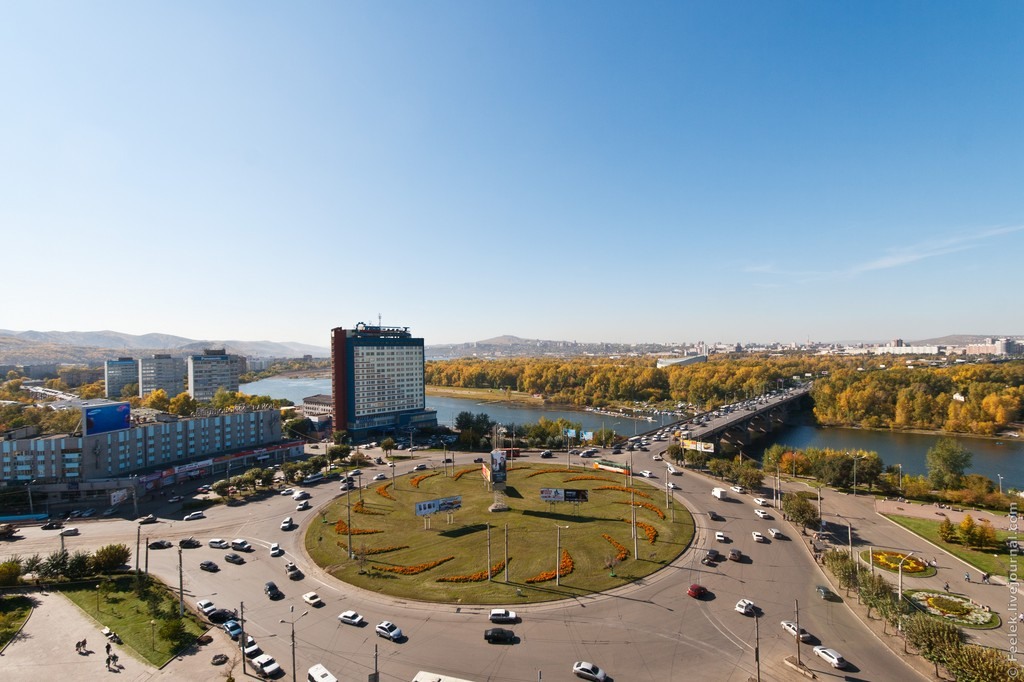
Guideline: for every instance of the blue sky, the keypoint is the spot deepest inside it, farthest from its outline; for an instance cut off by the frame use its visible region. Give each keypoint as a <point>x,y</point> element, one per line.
<point>592,171</point>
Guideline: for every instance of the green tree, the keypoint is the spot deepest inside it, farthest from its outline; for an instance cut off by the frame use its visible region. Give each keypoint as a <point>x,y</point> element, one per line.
<point>800,511</point>
<point>297,427</point>
<point>10,573</point>
<point>173,630</point>
<point>749,476</point>
<point>111,557</point>
<point>675,453</point>
<point>387,445</point>
<point>936,640</point>
<point>130,390</point>
<point>697,458</point>
<point>973,663</point>
<point>55,564</point>
<point>947,460</point>
<point>336,452</point>
<point>221,487</point>
<point>719,468</point>
<point>79,565</point>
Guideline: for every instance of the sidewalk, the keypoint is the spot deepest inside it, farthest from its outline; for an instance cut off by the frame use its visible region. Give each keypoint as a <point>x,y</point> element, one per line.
<point>933,512</point>
<point>45,650</point>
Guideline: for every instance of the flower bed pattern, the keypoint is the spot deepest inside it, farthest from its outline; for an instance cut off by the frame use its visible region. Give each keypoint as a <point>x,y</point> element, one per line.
<point>565,567</point>
<point>415,481</point>
<point>647,505</point>
<point>953,607</point>
<point>621,552</point>
<point>650,531</point>
<point>369,551</point>
<point>342,529</point>
<point>463,472</point>
<point>624,489</point>
<point>413,570</point>
<point>890,561</point>
<point>360,508</point>
<point>589,477</point>
<point>474,577</point>
<point>383,491</point>
<point>560,470</point>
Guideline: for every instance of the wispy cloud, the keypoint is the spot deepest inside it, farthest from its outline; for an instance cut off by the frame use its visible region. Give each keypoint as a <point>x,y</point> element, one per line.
<point>891,258</point>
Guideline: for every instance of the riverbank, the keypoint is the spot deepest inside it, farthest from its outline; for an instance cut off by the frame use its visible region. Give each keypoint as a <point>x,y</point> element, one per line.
<point>490,395</point>
<point>1005,436</point>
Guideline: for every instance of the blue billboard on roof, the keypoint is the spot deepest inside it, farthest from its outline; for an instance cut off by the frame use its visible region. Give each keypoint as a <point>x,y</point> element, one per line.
<point>104,418</point>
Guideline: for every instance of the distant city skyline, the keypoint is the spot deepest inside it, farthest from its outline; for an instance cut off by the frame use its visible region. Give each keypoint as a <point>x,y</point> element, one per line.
<point>578,171</point>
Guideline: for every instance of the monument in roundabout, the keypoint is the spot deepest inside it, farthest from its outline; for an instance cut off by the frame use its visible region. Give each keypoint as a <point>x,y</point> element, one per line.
<point>563,531</point>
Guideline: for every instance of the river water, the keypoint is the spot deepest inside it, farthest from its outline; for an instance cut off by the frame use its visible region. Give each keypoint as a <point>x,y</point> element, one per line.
<point>991,457</point>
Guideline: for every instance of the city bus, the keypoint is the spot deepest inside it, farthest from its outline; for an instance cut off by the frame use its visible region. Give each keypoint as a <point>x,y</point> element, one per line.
<point>424,676</point>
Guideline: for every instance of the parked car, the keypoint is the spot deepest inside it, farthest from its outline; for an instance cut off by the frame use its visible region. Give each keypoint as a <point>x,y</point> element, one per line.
<point>221,616</point>
<point>287,491</point>
<point>697,591</point>
<point>203,489</point>
<point>233,628</point>
<point>351,618</point>
<point>209,566</point>
<point>830,656</point>
<point>249,647</point>
<point>313,599</point>
<point>589,671</point>
<point>160,544</point>
<point>790,627</point>
<point>149,518</point>
<point>233,558</point>
<point>388,630</point>
<point>745,606</point>
<point>69,531</point>
<point>217,543</point>
<point>205,606</point>
<point>194,516</point>
<point>267,665</point>
<point>176,498</point>
<point>503,616</point>
<point>189,543</point>
<point>499,636</point>
<point>88,512</point>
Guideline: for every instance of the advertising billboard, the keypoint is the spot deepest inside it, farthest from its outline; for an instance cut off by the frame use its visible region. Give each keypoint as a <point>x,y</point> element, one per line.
<point>564,495</point>
<point>698,445</point>
<point>118,496</point>
<point>498,473</point>
<point>104,418</point>
<point>444,504</point>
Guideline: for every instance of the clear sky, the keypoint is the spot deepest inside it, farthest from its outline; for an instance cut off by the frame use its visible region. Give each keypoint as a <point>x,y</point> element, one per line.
<point>581,170</point>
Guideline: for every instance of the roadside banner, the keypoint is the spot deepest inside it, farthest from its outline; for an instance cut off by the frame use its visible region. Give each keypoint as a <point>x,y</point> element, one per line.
<point>444,504</point>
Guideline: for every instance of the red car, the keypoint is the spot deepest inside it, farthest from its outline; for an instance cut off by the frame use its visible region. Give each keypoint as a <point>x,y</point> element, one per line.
<point>697,591</point>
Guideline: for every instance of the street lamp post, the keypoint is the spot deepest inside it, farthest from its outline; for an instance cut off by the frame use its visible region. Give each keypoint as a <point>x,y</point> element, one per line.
<point>32,510</point>
<point>152,632</point>
<point>292,622</point>
<point>855,473</point>
<point>900,567</point>
<point>999,475</point>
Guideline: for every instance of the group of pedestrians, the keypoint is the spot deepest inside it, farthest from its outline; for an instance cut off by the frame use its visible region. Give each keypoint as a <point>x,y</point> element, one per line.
<point>112,660</point>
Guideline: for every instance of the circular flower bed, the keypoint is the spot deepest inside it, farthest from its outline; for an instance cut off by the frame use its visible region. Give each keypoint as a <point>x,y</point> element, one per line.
<point>890,561</point>
<point>953,607</point>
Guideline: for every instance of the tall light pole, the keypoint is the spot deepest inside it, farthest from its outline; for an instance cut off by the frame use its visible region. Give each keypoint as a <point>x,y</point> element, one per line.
<point>32,509</point>
<point>292,622</point>
<point>855,458</point>
<point>558,552</point>
<point>1000,483</point>
<point>900,567</point>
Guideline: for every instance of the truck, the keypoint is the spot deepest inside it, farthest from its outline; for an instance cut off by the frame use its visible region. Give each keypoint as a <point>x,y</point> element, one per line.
<point>720,493</point>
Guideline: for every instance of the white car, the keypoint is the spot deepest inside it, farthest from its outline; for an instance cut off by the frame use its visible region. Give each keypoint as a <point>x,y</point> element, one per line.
<point>275,550</point>
<point>267,664</point>
<point>503,616</point>
<point>249,647</point>
<point>300,495</point>
<point>313,599</point>
<point>589,671</point>
<point>217,543</point>
<point>745,606</point>
<point>646,474</point>
<point>388,630</point>
<point>286,524</point>
<point>761,502</point>
<point>831,656</point>
<point>205,606</point>
<point>720,536</point>
<point>657,458</point>
<point>775,533</point>
<point>351,618</point>
<point>671,486</point>
<point>790,627</point>
<point>762,513</point>
<point>757,537</point>
<point>287,491</point>
<point>391,464</point>
<point>69,531</point>
<point>302,506</point>
<point>380,477</point>
<point>738,489</point>
<point>194,515</point>
<point>420,467</point>
<point>355,472</point>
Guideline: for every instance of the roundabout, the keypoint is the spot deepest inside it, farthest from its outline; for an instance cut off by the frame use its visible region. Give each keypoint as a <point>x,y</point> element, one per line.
<point>955,608</point>
<point>476,556</point>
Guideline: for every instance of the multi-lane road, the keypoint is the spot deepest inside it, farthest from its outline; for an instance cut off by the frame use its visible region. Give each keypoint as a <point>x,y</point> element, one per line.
<point>649,631</point>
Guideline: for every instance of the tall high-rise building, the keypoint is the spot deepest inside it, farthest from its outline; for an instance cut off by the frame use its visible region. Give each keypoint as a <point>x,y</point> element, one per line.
<point>162,372</point>
<point>212,370</point>
<point>377,381</point>
<point>119,373</point>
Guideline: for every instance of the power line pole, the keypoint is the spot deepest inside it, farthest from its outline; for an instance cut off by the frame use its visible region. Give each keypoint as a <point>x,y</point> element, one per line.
<point>181,586</point>
<point>241,618</point>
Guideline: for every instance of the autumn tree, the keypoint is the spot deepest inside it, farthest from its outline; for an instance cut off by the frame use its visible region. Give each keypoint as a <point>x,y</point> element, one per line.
<point>157,400</point>
<point>183,405</point>
<point>800,510</point>
<point>936,640</point>
<point>968,532</point>
<point>947,531</point>
<point>111,557</point>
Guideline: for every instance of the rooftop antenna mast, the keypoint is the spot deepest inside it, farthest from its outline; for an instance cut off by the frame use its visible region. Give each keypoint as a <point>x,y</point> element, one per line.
<point>378,319</point>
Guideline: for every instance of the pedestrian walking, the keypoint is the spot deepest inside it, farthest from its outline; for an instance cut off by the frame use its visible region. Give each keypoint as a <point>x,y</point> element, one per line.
<point>967,577</point>
<point>984,578</point>
<point>78,647</point>
<point>84,645</point>
<point>108,662</point>
<point>108,648</point>
<point>946,586</point>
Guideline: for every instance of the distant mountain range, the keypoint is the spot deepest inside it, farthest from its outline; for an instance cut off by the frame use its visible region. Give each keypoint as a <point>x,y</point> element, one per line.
<point>35,347</point>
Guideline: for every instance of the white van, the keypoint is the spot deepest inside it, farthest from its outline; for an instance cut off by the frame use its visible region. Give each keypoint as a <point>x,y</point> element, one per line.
<point>318,673</point>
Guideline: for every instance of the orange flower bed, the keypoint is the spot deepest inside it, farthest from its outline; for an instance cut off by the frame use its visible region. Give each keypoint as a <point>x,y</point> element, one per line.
<point>621,552</point>
<point>463,472</point>
<point>560,470</point>
<point>342,529</point>
<point>479,576</point>
<point>376,550</point>
<point>647,505</point>
<point>589,477</point>
<point>649,530</point>
<point>413,570</point>
<point>624,489</point>
<point>383,491</point>
<point>565,567</point>
<point>360,508</point>
<point>415,481</point>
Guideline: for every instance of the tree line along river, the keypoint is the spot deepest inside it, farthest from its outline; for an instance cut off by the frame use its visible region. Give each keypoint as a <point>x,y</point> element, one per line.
<point>992,458</point>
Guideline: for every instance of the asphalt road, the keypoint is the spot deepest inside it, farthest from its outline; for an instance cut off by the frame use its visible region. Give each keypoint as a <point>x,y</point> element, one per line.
<point>649,631</point>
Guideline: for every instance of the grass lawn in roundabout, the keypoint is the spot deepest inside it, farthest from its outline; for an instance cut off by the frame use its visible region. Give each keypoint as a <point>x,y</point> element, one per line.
<point>397,553</point>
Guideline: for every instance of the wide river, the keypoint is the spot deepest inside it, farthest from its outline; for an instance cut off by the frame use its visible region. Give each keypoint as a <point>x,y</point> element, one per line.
<point>992,458</point>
